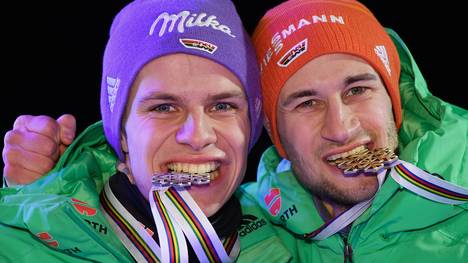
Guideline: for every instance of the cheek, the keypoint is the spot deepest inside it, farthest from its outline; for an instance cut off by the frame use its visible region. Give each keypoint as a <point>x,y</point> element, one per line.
<point>236,133</point>
<point>297,130</point>
<point>377,117</point>
<point>145,141</point>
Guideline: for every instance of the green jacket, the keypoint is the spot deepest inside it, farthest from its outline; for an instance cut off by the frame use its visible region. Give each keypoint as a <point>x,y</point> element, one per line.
<point>400,226</point>
<point>58,218</point>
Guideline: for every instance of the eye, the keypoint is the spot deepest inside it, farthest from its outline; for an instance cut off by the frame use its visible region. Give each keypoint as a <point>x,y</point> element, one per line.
<point>356,91</point>
<point>306,105</point>
<point>223,106</point>
<point>164,108</point>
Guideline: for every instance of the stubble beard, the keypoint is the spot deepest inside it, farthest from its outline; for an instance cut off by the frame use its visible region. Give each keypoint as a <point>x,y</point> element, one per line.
<point>325,189</point>
<point>338,194</point>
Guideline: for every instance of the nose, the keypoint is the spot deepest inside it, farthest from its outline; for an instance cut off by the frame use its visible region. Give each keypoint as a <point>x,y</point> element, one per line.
<point>340,123</point>
<point>196,131</point>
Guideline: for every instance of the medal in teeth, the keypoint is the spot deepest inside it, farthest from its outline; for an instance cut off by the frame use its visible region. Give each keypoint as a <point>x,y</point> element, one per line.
<point>186,175</point>
<point>362,160</point>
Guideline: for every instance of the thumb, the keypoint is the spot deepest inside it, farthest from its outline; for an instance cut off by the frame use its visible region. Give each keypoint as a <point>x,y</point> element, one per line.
<point>67,124</point>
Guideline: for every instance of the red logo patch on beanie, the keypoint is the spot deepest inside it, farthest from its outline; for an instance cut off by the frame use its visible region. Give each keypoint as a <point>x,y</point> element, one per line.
<point>198,44</point>
<point>292,54</point>
<point>273,201</point>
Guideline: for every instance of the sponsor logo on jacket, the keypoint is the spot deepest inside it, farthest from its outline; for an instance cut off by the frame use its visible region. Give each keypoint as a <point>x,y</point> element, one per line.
<point>273,201</point>
<point>250,223</point>
<point>83,208</point>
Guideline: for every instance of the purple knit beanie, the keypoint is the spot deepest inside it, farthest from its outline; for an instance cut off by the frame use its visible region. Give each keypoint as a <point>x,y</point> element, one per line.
<point>148,29</point>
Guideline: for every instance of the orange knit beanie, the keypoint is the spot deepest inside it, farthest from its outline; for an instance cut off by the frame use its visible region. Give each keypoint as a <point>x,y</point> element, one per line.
<point>297,31</point>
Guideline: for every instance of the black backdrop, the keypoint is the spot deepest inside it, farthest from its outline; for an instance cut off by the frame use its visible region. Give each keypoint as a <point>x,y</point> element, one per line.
<point>52,54</point>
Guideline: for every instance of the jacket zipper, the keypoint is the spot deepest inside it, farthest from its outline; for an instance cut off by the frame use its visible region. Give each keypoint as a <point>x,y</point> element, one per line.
<point>348,251</point>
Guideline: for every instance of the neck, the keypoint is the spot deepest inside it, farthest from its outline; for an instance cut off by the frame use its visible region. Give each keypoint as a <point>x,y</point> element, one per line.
<point>327,208</point>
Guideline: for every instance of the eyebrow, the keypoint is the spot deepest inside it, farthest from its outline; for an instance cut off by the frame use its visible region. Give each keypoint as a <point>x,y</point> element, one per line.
<point>299,94</point>
<point>170,97</point>
<point>365,76</point>
<point>227,95</point>
<point>348,81</point>
<point>158,96</point>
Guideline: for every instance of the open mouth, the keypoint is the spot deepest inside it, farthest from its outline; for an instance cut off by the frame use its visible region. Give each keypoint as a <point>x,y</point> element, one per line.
<point>187,174</point>
<point>209,168</point>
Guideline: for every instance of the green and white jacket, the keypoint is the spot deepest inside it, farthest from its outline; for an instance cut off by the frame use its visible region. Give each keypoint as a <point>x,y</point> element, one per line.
<point>59,217</point>
<point>399,226</point>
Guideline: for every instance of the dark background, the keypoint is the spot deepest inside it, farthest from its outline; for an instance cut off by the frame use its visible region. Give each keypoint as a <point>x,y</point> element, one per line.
<point>52,54</point>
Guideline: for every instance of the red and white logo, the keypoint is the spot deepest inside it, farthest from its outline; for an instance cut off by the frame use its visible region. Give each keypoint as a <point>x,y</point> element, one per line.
<point>48,239</point>
<point>198,44</point>
<point>292,54</point>
<point>273,201</point>
<point>83,207</point>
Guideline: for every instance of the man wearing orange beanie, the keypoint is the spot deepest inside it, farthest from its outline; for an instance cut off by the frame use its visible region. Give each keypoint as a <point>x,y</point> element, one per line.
<point>332,78</point>
<point>331,88</point>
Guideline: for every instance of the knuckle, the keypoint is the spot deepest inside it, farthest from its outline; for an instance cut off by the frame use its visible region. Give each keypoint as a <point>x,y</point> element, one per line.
<point>49,148</point>
<point>46,166</point>
<point>47,125</point>
<point>10,137</point>
<point>9,155</point>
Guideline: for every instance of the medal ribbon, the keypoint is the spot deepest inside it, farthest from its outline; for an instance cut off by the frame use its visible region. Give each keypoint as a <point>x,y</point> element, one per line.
<point>345,218</point>
<point>140,243</point>
<point>407,175</point>
<point>183,213</point>
<point>171,238</point>
<point>131,232</point>
<point>427,185</point>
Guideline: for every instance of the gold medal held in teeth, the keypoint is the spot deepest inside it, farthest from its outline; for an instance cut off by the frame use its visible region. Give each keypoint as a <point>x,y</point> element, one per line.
<point>366,161</point>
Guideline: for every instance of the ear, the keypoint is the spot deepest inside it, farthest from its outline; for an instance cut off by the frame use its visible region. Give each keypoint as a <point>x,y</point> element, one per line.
<point>125,167</point>
<point>123,143</point>
<point>266,124</point>
<point>122,167</point>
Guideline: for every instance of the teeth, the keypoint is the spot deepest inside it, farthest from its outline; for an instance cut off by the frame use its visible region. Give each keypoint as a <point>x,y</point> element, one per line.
<point>193,168</point>
<point>348,153</point>
<point>214,174</point>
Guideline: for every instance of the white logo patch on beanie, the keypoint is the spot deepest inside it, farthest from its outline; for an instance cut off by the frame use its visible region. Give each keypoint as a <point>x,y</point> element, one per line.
<point>381,52</point>
<point>112,88</point>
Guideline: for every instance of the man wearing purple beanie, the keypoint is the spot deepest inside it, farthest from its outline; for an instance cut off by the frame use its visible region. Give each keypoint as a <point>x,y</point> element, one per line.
<point>155,180</point>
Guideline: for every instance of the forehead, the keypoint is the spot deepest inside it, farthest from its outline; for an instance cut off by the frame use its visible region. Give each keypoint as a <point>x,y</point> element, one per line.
<point>183,73</point>
<point>331,69</point>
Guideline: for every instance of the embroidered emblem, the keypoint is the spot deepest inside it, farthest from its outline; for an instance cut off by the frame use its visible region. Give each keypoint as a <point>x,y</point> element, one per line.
<point>292,54</point>
<point>112,88</point>
<point>273,201</point>
<point>381,52</point>
<point>198,44</point>
<point>83,208</point>
<point>48,239</point>
<point>186,19</point>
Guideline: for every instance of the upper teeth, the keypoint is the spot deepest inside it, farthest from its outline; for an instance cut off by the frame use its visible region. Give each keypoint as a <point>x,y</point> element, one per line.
<point>193,168</point>
<point>348,153</point>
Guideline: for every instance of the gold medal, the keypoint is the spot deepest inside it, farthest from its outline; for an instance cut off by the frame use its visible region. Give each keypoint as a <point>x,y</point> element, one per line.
<point>366,161</point>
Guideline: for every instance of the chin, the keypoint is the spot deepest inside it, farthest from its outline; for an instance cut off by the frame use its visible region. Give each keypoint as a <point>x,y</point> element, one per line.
<point>208,199</point>
<point>207,203</point>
